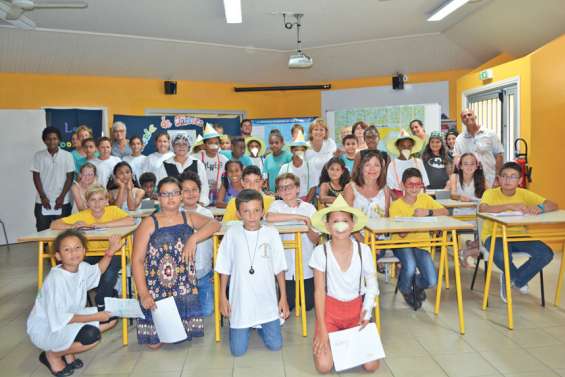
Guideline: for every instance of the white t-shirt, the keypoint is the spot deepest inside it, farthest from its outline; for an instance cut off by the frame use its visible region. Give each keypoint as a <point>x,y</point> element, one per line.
<point>253,297</point>
<point>396,169</point>
<point>204,189</point>
<point>204,249</point>
<point>344,286</point>
<point>317,160</point>
<point>137,164</point>
<point>304,173</point>
<point>53,170</point>
<point>154,164</point>
<point>62,296</point>
<point>304,209</point>
<point>215,167</point>
<point>105,169</point>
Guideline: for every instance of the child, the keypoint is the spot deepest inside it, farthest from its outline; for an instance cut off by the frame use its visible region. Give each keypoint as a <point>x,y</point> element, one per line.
<point>225,144</point>
<point>250,255</point>
<point>148,183</point>
<point>358,131</point>
<point>238,152</point>
<point>60,324</point>
<point>349,143</point>
<point>90,150</point>
<point>256,149</point>
<point>417,204</point>
<point>436,162</point>
<point>291,208</point>
<point>277,158</point>
<point>136,160</point>
<point>105,162</point>
<point>79,154</point>
<point>231,183</point>
<point>191,186</point>
<point>333,179</point>
<point>213,161</point>
<point>300,168</point>
<point>509,197</point>
<point>86,178</point>
<point>98,215</point>
<point>125,194</point>
<point>250,179</point>
<point>450,138</point>
<point>154,162</point>
<point>403,146</point>
<point>163,262</point>
<point>53,170</point>
<point>343,273</point>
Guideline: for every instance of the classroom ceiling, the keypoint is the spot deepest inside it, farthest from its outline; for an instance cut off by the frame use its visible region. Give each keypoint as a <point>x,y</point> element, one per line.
<point>189,39</point>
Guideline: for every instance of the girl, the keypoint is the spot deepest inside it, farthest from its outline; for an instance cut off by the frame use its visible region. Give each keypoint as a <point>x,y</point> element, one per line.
<point>321,147</point>
<point>358,130</point>
<point>105,162</point>
<point>125,192</point>
<point>417,129</point>
<point>256,150</point>
<point>277,158</point>
<point>450,138</point>
<point>89,148</point>
<point>343,273</point>
<point>436,162</point>
<point>333,179</point>
<point>79,154</point>
<point>154,162</point>
<point>86,178</point>
<point>295,129</point>
<point>136,160</point>
<point>372,138</point>
<point>60,324</point>
<point>163,262</point>
<point>214,162</point>
<point>231,183</point>
<point>225,143</point>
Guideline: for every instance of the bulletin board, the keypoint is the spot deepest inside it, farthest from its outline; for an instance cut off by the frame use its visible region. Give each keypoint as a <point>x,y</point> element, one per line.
<point>67,120</point>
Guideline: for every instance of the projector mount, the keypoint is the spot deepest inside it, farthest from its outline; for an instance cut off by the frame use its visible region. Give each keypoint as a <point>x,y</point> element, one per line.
<point>289,25</point>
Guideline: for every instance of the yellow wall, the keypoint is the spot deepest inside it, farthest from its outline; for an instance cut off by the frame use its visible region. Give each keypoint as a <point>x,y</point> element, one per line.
<point>132,96</point>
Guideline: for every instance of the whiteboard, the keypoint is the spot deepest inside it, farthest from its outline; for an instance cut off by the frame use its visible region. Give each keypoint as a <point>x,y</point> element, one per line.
<point>21,138</point>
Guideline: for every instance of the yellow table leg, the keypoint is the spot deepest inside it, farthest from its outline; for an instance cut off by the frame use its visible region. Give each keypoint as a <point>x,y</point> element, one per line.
<point>371,240</point>
<point>378,312</point>
<point>216,291</point>
<point>560,277</point>
<point>458,282</point>
<point>507,278</point>
<point>124,293</point>
<point>301,283</point>
<point>296,279</point>
<point>446,262</point>
<point>489,265</point>
<point>40,253</point>
<point>440,273</point>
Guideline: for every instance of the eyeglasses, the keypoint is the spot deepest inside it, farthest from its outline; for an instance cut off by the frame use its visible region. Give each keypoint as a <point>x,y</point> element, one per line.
<point>286,187</point>
<point>510,177</point>
<point>413,185</point>
<point>169,194</point>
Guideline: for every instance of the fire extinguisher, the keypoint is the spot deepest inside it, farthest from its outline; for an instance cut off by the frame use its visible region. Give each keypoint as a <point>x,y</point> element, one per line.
<point>522,160</point>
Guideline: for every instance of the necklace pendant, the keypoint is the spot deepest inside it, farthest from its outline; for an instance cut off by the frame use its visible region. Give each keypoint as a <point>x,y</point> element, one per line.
<point>251,271</point>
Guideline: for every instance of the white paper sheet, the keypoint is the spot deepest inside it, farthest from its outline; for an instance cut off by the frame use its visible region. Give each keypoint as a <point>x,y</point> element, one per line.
<point>351,347</point>
<point>167,321</point>
<point>427,219</point>
<point>52,211</point>
<point>508,214</point>
<point>123,307</point>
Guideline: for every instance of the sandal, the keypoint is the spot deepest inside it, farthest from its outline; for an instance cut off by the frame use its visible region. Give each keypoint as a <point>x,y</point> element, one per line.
<point>75,364</point>
<point>67,371</point>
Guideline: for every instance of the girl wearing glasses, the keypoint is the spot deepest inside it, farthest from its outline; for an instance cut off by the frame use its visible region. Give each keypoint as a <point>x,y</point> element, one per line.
<point>163,262</point>
<point>85,179</point>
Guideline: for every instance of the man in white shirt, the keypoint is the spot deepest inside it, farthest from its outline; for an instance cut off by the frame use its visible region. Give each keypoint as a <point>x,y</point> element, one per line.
<point>482,142</point>
<point>53,170</point>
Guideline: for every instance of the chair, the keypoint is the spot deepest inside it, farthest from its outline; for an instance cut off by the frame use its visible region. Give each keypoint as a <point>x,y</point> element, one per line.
<point>5,234</point>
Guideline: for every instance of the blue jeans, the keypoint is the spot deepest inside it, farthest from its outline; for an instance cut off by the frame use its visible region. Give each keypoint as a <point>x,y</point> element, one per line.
<point>270,333</point>
<point>410,258</point>
<point>540,256</point>
<point>206,294</point>
<point>107,280</point>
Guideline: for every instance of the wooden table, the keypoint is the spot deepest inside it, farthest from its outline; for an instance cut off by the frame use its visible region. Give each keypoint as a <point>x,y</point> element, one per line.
<point>443,224</point>
<point>451,205</point>
<point>535,231</point>
<point>48,236</point>
<point>141,213</point>
<point>295,244</point>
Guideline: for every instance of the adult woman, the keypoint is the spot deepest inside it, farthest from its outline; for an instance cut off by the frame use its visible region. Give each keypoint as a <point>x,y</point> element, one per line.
<point>358,130</point>
<point>154,162</point>
<point>436,161</point>
<point>120,144</point>
<point>79,154</point>
<point>320,147</point>
<point>417,129</point>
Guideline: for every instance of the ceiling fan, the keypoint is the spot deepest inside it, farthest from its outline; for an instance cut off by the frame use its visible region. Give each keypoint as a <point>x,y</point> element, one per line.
<point>17,7</point>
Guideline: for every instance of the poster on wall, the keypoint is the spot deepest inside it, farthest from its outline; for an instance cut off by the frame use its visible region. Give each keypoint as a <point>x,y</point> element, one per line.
<point>68,120</point>
<point>262,127</point>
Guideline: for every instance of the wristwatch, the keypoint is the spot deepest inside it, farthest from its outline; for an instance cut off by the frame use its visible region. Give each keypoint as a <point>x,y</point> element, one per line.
<point>430,212</point>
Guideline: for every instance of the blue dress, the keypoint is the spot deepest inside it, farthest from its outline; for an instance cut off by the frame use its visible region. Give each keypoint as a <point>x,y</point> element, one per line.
<point>167,274</point>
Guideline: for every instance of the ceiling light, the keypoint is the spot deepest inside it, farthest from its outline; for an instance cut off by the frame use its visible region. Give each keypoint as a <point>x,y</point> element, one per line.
<point>232,8</point>
<point>446,9</point>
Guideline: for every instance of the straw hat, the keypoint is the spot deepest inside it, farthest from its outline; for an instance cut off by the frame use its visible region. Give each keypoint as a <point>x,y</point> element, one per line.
<point>262,147</point>
<point>210,132</point>
<point>299,141</point>
<point>197,144</point>
<point>339,205</point>
<point>403,135</point>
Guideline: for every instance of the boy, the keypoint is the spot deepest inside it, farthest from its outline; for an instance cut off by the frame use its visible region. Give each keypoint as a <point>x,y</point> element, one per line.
<point>417,204</point>
<point>250,179</point>
<point>300,168</point>
<point>256,150</point>
<point>509,197</point>
<point>148,182</point>
<point>249,256</point>
<point>291,208</point>
<point>105,162</point>
<point>191,186</point>
<point>225,145</point>
<point>238,151</point>
<point>90,150</point>
<point>214,161</point>
<point>53,171</point>
<point>350,147</point>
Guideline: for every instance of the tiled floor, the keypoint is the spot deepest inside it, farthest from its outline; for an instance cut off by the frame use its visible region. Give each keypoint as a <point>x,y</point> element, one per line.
<point>416,343</point>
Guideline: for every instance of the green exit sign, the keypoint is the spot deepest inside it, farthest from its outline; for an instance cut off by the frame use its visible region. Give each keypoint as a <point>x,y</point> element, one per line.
<point>485,75</point>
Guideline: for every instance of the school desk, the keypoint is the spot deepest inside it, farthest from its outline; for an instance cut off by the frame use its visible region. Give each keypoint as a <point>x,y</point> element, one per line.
<point>535,230</point>
<point>48,236</point>
<point>443,224</point>
<point>217,212</point>
<point>295,244</point>
<point>141,213</point>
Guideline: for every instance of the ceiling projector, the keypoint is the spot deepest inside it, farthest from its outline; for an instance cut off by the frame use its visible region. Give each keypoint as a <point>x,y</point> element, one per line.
<point>300,60</point>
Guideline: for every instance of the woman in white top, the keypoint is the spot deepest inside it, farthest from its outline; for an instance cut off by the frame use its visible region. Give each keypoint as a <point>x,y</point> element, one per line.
<point>124,193</point>
<point>86,178</point>
<point>320,147</point>
<point>136,160</point>
<point>155,160</point>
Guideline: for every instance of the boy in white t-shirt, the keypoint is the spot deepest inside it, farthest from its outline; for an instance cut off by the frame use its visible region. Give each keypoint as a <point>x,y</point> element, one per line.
<point>250,257</point>
<point>214,162</point>
<point>291,208</point>
<point>343,273</point>
<point>105,162</point>
<point>300,168</point>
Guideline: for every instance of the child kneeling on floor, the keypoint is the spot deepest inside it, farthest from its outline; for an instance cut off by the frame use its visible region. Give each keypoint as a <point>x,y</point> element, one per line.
<point>60,324</point>
<point>343,273</point>
<point>251,255</point>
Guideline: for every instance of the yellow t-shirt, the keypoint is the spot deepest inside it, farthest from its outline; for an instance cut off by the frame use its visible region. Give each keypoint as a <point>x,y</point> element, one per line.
<point>399,208</point>
<point>231,210</point>
<point>495,197</point>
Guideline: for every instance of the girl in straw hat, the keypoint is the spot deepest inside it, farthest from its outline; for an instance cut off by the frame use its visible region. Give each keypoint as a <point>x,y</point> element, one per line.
<point>343,273</point>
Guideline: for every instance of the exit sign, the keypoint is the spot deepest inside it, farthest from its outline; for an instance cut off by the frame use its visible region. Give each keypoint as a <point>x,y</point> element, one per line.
<point>486,74</point>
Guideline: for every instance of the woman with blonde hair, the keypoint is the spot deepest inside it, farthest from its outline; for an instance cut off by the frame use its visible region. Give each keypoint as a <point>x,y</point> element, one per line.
<point>320,147</point>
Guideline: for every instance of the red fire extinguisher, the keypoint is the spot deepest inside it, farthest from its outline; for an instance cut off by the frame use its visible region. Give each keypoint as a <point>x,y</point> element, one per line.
<point>522,160</point>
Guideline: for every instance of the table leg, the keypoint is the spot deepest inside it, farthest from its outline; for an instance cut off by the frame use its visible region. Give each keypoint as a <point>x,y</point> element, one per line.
<point>40,253</point>
<point>440,273</point>
<point>560,277</point>
<point>124,293</point>
<point>371,240</point>
<point>446,262</point>
<point>458,281</point>
<point>301,282</point>
<point>378,312</point>
<point>507,278</point>
<point>489,265</point>
<point>296,279</point>
<point>216,291</point>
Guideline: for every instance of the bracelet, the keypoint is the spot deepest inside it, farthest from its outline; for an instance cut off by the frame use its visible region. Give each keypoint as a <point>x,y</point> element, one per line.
<point>542,207</point>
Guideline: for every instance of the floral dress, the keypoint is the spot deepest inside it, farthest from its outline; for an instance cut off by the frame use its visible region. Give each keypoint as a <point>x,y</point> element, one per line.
<point>167,274</point>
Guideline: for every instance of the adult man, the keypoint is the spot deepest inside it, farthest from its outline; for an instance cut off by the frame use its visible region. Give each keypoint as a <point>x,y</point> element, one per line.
<point>482,142</point>
<point>246,127</point>
<point>120,145</point>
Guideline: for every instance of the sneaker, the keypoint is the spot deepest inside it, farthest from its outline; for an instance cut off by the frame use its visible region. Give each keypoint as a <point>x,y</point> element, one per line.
<point>502,288</point>
<point>409,298</point>
<point>524,289</point>
<point>420,294</point>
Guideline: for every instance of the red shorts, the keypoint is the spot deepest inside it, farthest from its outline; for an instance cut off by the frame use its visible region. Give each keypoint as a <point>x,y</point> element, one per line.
<point>341,315</point>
